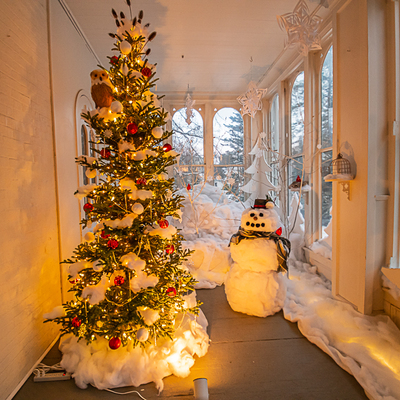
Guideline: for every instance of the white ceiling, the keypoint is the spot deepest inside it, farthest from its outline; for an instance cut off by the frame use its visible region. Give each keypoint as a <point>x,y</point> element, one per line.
<point>206,44</point>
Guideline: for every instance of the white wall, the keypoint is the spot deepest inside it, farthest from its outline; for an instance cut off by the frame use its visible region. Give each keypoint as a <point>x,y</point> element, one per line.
<point>29,268</point>
<point>359,225</point>
<point>71,64</point>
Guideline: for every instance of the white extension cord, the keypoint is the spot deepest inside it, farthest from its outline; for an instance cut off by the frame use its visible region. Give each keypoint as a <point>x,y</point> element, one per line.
<point>47,373</point>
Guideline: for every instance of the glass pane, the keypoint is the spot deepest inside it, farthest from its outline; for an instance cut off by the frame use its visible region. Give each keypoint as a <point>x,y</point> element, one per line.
<point>84,150</point>
<point>274,124</point>
<point>297,115</point>
<point>185,175</point>
<point>295,170</point>
<point>188,138</point>
<point>326,190</point>
<point>230,179</point>
<point>327,100</point>
<point>228,137</point>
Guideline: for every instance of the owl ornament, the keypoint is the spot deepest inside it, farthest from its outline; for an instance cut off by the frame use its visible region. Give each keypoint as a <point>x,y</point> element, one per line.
<point>256,284</point>
<point>101,88</point>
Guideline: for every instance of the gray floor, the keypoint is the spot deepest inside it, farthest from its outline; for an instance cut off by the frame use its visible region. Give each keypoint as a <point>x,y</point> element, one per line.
<point>249,358</point>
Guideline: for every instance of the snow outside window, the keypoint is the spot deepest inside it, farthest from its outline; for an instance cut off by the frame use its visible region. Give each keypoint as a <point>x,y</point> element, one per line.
<point>228,151</point>
<point>326,136</point>
<point>272,157</point>
<point>188,140</point>
<point>296,132</point>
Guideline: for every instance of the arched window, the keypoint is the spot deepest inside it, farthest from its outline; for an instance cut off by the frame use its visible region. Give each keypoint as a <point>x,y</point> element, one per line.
<point>188,141</point>
<point>326,137</point>
<point>297,130</point>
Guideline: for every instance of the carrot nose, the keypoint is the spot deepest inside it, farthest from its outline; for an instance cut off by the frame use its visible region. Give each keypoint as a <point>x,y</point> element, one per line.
<point>255,218</point>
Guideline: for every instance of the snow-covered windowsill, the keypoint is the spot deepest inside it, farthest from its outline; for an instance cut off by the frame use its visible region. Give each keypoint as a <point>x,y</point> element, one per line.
<point>323,264</point>
<point>391,288</point>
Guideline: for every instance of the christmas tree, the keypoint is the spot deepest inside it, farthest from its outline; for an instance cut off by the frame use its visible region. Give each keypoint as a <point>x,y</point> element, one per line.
<point>130,289</point>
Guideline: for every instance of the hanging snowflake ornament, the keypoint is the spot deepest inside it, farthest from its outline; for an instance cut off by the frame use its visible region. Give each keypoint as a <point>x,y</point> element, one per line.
<point>251,100</point>
<point>189,103</point>
<point>301,27</point>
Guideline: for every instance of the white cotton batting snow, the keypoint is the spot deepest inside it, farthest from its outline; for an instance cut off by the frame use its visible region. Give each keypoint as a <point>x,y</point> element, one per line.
<point>368,347</point>
<point>97,365</point>
<point>209,219</point>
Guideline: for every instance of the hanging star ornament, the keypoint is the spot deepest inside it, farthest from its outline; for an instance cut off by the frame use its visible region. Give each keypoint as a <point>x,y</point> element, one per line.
<point>189,103</point>
<point>251,100</point>
<point>301,27</point>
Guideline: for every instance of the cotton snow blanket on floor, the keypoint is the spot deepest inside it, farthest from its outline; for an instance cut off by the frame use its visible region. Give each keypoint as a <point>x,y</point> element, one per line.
<point>97,365</point>
<point>366,347</point>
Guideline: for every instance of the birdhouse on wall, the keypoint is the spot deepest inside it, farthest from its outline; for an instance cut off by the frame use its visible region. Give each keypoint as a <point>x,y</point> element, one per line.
<point>340,171</point>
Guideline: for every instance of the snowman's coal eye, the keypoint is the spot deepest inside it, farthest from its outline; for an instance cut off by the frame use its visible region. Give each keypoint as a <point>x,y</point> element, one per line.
<point>252,215</point>
<point>247,223</point>
<point>263,225</point>
<point>261,214</point>
<point>252,225</point>
<point>257,225</point>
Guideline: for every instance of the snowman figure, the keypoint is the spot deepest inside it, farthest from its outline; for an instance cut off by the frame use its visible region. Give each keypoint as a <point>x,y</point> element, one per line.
<point>255,284</point>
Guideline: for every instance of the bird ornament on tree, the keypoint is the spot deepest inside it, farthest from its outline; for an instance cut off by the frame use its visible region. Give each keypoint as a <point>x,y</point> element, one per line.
<point>255,284</point>
<point>101,88</point>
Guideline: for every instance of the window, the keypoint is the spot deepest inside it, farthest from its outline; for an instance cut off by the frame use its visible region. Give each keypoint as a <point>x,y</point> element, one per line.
<point>326,136</point>
<point>228,150</point>
<point>297,131</point>
<point>273,155</point>
<point>188,141</point>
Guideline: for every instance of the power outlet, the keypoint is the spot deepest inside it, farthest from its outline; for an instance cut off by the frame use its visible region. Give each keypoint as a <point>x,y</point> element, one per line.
<point>53,376</point>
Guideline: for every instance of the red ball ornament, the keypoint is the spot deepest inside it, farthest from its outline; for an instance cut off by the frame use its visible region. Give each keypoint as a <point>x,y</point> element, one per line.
<point>298,179</point>
<point>167,147</point>
<point>105,153</point>
<point>104,235</point>
<point>114,60</point>
<point>114,343</point>
<point>279,232</point>
<point>163,223</point>
<point>146,72</point>
<point>119,280</point>
<point>141,181</point>
<point>188,187</point>
<point>76,322</point>
<point>170,249</point>
<point>132,128</point>
<point>88,207</point>
<point>171,292</point>
<point>112,244</point>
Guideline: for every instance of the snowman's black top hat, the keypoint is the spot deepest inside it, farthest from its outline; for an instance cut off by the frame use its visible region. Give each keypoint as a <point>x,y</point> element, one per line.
<point>260,203</point>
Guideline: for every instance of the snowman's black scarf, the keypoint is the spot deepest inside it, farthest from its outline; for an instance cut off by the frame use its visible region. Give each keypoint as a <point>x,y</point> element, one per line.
<point>282,244</point>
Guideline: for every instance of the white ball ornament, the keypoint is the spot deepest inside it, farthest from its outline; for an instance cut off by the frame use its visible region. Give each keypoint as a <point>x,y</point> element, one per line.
<point>89,237</point>
<point>157,132</point>
<point>116,107</point>
<point>124,70</point>
<point>125,47</point>
<point>137,208</point>
<point>142,334</point>
<point>91,173</point>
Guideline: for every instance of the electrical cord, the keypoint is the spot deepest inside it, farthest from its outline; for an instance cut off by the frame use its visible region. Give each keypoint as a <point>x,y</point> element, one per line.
<point>42,369</point>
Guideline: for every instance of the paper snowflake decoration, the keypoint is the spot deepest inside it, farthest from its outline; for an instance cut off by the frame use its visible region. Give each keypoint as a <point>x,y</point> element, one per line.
<point>251,100</point>
<point>302,28</point>
<point>189,103</point>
